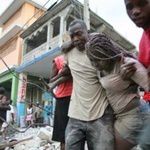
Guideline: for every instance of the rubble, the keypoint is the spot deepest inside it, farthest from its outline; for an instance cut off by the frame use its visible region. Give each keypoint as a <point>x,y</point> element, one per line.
<point>37,139</point>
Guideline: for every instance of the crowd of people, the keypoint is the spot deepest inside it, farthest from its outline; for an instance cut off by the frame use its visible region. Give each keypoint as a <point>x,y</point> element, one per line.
<point>97,87</point>
<point>37,114</point>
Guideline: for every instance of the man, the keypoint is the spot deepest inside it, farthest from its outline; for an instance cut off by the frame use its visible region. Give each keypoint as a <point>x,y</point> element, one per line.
<point>90,117</point>
<point>9,120</point>
<point>4,106</point>
<point>139,13</point>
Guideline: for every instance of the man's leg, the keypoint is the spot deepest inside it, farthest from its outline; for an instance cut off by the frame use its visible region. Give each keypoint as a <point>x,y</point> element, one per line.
<point>75,135</point>
<point>100,135</point>
<point>144,141</point>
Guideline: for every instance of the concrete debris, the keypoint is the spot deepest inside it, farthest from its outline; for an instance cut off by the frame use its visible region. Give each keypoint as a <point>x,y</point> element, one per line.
<point>41,140</point>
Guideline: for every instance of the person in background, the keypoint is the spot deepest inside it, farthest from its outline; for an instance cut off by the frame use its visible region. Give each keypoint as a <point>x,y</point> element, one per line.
<point>48,113</point>
<point>10,119</point>
<point>144,106</point>
<point>38,113</point>
<point>139,13</point>
<point>4,106</point>
<point>29,116</point>
<point>108,58</point>
<point>62,94</point>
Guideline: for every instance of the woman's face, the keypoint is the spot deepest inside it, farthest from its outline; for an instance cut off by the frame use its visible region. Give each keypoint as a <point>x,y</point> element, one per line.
<point>100,64</point>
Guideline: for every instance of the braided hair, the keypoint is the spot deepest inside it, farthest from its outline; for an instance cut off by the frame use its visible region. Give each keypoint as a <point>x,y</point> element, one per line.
<point>100,47</point>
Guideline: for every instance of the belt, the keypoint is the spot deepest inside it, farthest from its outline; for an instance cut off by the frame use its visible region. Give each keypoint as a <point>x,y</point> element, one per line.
<point>135,102</point>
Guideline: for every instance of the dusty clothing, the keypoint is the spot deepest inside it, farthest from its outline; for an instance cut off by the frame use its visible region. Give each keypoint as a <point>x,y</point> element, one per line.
<point>144,140</point>
<point>88,99</point>
<point>129,125</point>
<point>117,89</point>
<point>98,133</point>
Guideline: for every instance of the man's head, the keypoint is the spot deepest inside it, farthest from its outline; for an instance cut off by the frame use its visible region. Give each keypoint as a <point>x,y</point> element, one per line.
<point>78,34</point>
<point>139,12</point>
<point>2,92</point>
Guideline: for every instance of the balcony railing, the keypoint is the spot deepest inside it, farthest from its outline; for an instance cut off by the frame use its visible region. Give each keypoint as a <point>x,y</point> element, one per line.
<point>41,49</point>
<point>35,53</point>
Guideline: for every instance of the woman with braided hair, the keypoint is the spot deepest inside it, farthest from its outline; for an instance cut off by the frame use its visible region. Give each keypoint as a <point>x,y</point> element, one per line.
<point>107,59</point>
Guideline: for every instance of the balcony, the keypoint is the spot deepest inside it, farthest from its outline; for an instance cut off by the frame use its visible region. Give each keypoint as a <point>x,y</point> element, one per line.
<point>35,53</point>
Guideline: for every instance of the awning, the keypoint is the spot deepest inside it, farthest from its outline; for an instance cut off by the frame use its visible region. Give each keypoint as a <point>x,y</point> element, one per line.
<point>39,66</point>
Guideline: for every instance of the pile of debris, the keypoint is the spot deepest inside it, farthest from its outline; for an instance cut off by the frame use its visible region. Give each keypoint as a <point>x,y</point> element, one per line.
<point>33,139</point>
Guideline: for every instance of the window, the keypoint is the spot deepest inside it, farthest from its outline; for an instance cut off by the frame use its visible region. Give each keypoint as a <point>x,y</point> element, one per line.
<point>36,40</point>
<point>69,20</point>
<point>56,26</point>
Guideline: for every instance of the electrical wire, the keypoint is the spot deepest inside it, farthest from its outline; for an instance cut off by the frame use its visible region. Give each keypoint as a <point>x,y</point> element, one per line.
<point>31,83</point>
<point>18,35</point>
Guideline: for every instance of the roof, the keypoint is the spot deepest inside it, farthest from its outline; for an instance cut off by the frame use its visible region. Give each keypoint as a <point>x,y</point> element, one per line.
<point>9,34</point>
<point>13,7</point>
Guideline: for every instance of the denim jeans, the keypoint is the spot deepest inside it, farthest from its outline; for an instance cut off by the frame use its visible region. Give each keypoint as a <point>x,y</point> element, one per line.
<point>144,141</point>
<point>97,133</point>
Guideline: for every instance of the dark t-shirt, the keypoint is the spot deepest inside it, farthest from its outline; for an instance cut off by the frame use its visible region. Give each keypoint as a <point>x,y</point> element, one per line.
<point>3,115</point>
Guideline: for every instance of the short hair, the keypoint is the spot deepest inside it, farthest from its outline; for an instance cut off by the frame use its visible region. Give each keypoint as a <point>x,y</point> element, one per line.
<point>100,47</point>
<point>2,90</point>
<point>78,21</point>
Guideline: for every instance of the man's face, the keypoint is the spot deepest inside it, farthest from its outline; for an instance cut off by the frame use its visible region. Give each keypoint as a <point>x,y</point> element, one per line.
<point>79,36</point>
<point>139,12</point>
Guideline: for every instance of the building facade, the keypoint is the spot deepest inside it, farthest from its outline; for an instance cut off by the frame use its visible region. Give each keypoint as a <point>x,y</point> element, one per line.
<point>14,20</point>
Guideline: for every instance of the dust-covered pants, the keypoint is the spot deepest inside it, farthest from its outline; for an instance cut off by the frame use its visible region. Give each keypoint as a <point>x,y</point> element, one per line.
<point>144,141</point>
<point>97,133</point>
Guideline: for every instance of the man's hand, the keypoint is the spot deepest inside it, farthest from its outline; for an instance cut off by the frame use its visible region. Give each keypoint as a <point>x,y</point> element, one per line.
<point>127,70</point>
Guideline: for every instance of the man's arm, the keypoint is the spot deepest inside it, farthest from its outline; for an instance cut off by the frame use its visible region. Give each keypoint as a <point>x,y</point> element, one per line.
<point>4,107</point>
<point>64,72</point>
<point>67,46</point>
<point>140,75</point>
<point>59,81</point>
<point>54,70</point>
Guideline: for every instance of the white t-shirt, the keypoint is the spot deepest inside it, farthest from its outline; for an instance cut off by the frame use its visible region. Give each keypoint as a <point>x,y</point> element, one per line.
<point>9,114</point>
<point>88,99</point>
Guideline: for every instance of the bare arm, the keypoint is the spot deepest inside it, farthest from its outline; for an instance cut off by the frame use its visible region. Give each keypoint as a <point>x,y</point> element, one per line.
<point>54,70</point>
<point>64,72</point>
<point>59,81</point>
<point>127,70</point>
